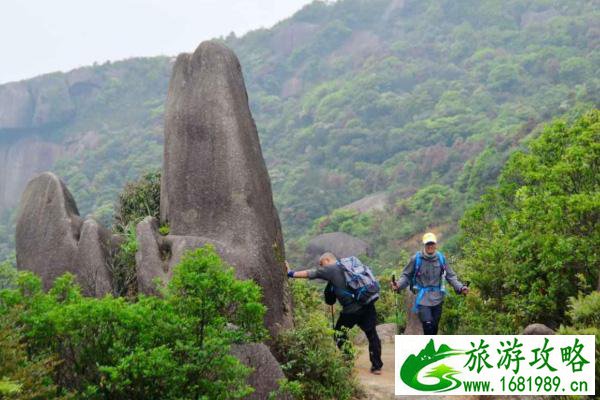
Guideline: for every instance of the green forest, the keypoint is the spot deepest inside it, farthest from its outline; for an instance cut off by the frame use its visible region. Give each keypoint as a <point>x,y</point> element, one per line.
<point>478,120</point>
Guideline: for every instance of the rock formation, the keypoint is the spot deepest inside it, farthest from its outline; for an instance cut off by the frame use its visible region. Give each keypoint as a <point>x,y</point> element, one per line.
<point>267,371</point>
<point>340,243</point>
<point>215,187</point>
<point>537,329</point>
<point>52,239</point>
<point>21,159</point>
<point>413,324</point>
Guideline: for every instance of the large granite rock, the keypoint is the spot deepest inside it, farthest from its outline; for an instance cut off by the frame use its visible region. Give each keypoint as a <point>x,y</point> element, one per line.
<point>215,184</point>
<point>340,243</point>
<point>52,239</point>
<point>267,371</point>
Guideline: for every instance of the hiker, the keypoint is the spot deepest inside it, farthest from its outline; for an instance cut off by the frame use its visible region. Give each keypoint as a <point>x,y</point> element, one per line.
<point>425,273</point>
<point>355,311</point>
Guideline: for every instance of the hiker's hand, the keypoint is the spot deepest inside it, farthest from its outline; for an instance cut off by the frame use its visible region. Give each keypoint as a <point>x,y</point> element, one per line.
<point>395,286</point>
<point>287,266</point>
<point>464,290</point>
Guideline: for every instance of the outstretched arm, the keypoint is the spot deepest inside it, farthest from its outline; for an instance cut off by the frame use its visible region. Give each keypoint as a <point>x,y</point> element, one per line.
<point>295,274</point>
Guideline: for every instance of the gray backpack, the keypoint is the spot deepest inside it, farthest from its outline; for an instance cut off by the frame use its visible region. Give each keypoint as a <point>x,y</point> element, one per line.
<point>360,281</point>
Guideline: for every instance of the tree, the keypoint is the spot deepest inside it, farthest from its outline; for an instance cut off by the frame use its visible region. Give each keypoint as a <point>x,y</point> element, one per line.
<point>530,244</point>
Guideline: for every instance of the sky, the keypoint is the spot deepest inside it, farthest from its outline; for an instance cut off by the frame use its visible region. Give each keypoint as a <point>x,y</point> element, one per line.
<point>41,36</point>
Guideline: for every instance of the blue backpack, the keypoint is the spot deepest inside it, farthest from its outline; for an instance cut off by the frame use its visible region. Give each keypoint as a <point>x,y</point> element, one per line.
<point>423,289</point>
<point>360,281</point>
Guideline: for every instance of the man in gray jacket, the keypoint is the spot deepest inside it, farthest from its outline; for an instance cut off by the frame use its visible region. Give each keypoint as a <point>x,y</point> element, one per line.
<point>353,313</point>
<point>425,273</point>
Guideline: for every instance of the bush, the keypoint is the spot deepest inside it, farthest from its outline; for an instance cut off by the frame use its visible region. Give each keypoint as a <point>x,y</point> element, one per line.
<point>584,313</point>
<point>138,200</point>
<point>312,359</point>
<point>8,275</point>
<point>175,347</point>
<point>22,378</point>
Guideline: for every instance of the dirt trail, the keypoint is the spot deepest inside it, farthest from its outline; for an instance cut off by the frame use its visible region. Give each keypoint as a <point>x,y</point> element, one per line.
<point>381,387</point>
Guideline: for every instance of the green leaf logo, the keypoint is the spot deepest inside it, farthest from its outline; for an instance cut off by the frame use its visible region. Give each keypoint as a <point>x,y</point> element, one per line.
<point>409,371</point>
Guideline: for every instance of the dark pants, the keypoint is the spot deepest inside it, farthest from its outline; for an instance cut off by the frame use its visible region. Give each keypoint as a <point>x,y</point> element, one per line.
<point>366,319</point>
<point>430,318</point>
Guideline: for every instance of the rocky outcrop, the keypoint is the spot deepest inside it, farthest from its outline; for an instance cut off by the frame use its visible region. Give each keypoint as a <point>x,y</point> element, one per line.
<point>375,201</point>
<point>215,186</point>
<point>267,371</point>
<point>36,103</point>
<point>537,329</point>
<point>52,239</point>
<point>413,324</point>
<point>16,105</point>
<point>340,243</point>
<point>20,161</point>
<point>53,104</point>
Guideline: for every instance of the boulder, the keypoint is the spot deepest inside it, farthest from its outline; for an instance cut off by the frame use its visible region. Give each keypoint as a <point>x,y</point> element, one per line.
<point>386,333</point>
<point>413,323</point>
<point>267,371</point>
<point>48,229</point>
<point>93,251</point>
<point>537,329</point>
<point>148,259</point>
<point>215,183</point>
<point>340,243</point>
<point>52,239</point>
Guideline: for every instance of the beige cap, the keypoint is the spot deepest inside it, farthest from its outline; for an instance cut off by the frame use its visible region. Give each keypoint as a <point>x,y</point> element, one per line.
<point>429,237</point>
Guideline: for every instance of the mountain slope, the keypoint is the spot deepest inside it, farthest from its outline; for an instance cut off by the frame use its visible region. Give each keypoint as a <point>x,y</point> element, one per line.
<point>350,98</point>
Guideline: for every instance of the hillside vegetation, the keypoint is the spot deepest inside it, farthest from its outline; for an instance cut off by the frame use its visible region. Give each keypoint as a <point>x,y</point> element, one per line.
<point>358,97</point>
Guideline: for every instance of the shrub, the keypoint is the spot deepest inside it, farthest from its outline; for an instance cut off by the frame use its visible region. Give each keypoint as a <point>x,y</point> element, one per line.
<point>22,378</point>
<point>138,200</point>
<point>584,313</point>
<point>312,359</point>
<point>174,347</point>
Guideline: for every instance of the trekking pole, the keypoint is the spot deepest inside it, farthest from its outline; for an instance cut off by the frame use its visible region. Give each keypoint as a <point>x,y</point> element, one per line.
<point>396,304</point>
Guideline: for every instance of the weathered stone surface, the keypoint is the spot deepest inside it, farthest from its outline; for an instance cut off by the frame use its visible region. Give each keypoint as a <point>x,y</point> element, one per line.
<point>16,106</point>
<point>215,183</point>
<point>52,239</point>
<point>267,370</point>
<point>93,251</point>
<point>375,201</point>
<point>537,329</point>
<point>53,104</point>
<point>39,102</point>
<point>340,243</point>
<point>148,259</point>
<point>48,229</point>
<point>386,333</point>
<point>413,324</point>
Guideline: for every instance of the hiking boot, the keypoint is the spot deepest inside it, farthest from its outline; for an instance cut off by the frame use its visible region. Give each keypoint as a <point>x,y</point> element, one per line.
<point>376,371</point>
